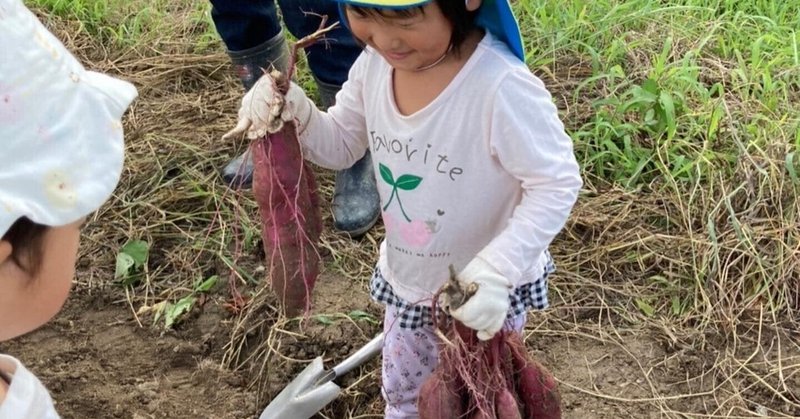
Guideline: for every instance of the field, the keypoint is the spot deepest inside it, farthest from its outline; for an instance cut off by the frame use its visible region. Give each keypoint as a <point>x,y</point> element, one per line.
<point>677,293</point>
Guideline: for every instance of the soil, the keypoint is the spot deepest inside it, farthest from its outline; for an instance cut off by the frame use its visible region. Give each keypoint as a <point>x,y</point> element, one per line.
<point>99,362</point>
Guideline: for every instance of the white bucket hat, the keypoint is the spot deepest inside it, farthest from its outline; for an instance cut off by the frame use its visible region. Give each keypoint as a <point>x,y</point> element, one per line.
<point>61,143</point>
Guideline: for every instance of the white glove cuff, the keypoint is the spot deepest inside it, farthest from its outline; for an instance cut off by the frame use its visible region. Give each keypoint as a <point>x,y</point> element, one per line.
<point>300,106</point>
<point>479,268</point>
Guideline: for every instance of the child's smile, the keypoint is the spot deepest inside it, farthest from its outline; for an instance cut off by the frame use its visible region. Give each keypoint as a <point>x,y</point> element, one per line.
<point>397,56</point>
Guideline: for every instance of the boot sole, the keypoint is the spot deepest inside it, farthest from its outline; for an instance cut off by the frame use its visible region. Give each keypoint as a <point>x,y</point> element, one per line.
<point>354,234</point>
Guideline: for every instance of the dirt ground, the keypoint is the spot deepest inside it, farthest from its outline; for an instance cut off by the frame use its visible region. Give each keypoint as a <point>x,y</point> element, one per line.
<point>98,362</point>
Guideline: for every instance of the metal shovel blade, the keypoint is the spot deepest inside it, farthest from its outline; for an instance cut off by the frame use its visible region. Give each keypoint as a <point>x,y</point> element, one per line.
<point>314,388</point>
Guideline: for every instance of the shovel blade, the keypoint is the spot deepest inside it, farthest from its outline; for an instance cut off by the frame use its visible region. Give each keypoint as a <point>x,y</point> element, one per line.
<point>302,398</point>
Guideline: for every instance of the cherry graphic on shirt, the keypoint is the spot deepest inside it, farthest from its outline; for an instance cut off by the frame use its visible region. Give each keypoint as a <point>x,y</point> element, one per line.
<point>415,233</point>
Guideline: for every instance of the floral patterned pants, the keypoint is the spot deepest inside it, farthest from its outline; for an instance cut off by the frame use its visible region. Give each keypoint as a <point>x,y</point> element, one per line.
<point>409,357</point>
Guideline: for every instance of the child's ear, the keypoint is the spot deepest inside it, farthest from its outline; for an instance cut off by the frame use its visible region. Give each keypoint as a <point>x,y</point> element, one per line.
<point>5,251</point>
<point>473,5</point>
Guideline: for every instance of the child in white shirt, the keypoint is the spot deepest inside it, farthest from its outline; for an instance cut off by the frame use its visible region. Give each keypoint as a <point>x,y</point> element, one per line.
<point>473,165</point>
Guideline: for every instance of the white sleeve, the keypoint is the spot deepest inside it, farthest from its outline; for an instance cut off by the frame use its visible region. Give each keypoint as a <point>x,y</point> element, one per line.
<point>27,398</point>
<point>338,138</point>
<point>529,141</point>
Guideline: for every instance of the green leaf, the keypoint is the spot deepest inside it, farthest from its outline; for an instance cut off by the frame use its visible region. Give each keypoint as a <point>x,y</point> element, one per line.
<point>676,305</point>
<point>713,125</point>
<point>640,101</point>
<point>650,86</point>
<point>184,305</point>
<point>362,315</point>
<point>207,284</point>
<point>124,264</point>
<point>386,174</point>
<point>646,308</point>
<point>650,117</point>
<point>712,230</point>
<point>791,169</point>
<point>324,319</point>
<point>408,182</point>
<point>669,109</point>
<point>137,250</point>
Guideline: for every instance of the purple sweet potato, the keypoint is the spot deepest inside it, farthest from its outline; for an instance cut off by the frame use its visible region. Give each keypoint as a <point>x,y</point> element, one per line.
<point>480,414</point>
<point>536,386</point>
<point>506,405</point>
<point>439,397</point>
<point>285,190</point>
<point>498,379</point>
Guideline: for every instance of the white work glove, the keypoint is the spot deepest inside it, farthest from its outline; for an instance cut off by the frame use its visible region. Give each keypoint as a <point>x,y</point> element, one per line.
<point>486,310</point>
<point>264,110</point>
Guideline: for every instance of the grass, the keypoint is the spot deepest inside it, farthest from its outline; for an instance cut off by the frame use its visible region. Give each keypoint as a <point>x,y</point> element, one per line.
<point>695,103</point>
<point>123,24</point>
<point>686,121</point>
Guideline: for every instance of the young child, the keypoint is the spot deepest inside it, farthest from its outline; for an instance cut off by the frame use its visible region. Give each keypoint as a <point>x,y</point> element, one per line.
<point>61,154</point>
<point>473,165</point>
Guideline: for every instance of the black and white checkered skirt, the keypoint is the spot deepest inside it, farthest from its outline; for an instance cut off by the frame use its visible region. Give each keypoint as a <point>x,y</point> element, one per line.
<point>529,296</point>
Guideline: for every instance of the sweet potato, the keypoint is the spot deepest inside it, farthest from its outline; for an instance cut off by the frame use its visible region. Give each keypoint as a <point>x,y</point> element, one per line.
<point>283,187</point>
<point>536,386</point>
<point>506,405</point>
<point>480,414</point>
<point>439,397</point>
<point>499,379</point>
<point>285,191</point>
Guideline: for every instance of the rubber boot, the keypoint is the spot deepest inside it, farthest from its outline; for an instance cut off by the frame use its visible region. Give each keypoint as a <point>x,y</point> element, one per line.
<point>249,65</point>
<point>356,203</point>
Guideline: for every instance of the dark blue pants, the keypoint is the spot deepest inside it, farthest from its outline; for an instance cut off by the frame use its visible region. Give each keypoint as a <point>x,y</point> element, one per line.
<point>244,24</point>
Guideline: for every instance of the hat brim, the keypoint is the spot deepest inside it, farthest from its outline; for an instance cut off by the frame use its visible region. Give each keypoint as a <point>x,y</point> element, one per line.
<point>496,16</point>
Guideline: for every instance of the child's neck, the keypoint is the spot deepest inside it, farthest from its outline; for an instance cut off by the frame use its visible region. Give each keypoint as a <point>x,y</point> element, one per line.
<point>414,90</point>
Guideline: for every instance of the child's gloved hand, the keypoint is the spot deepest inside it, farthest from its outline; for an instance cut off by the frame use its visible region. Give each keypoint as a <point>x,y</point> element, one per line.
<point>264,110</point>
<point>486,310</point>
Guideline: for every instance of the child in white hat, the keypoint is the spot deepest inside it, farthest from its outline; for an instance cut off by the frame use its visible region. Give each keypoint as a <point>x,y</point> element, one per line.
<point>61,154</point>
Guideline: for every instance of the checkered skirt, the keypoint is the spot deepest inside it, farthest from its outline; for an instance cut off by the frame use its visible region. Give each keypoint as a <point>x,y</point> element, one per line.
<point>529,296</point>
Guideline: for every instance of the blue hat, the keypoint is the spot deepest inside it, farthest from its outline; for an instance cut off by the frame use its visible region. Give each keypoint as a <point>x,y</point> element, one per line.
<point>495,16</point>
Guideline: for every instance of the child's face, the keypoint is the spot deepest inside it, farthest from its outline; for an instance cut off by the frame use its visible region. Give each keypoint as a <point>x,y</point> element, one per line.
<point>27,302</point>
<point>406,42</point>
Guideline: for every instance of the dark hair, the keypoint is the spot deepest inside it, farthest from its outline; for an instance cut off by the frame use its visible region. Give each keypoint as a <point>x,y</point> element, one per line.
<point>455,11</point>
<point>26,238</point>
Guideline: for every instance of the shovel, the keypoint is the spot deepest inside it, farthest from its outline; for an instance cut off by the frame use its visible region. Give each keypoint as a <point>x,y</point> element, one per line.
<point>314,388</point>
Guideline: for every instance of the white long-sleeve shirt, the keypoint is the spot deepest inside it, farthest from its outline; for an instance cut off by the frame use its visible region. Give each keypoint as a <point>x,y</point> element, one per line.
<point>27,398</point>
<point>484,169</point>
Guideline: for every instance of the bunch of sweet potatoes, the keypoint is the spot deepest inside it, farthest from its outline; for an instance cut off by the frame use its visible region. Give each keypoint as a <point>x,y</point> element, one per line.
<point>495,379</point>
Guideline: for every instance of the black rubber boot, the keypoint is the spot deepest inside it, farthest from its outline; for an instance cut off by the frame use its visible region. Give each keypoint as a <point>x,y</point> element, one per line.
<point>249,65</point>
<point>356,204</point>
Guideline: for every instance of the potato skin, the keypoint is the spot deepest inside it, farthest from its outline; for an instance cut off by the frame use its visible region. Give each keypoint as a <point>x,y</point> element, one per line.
<point>439,397</point>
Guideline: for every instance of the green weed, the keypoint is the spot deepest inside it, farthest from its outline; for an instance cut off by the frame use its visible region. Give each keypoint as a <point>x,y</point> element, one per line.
<point>172,312</point>
<point>694,103</point>
<point>131,260</point>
